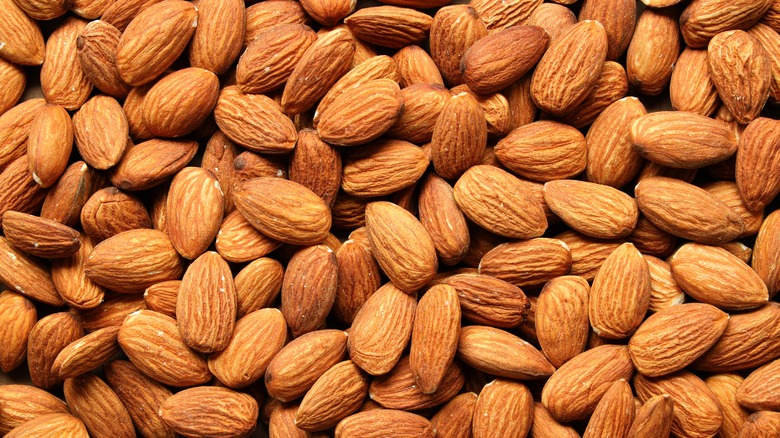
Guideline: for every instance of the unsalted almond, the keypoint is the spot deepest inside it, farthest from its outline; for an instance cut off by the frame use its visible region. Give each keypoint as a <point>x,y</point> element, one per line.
<point>382,168</point>
<point>454,419</point>
<point>487,300</point>
<point>40,237</point>
<point>561,318</point>
<point>148,164</point>
<point>219,36</point>
<point>501,353</point>
<point>22,36</point>
<point>95,403</point>
<point>453,151</point>
<point>336,394</point>
<point>23,403</point>
<point>210,411</point>
<point>389,26</point>
<point>87,353</point>
<point>654,49</point>
<point>504,408</point>
<point>701,21</point>
<point>592,209</point>
<point>614,414</point>
<point>96,47</point>
<point>756,157</point>
<point>25,275</point>
<point>194,211</point>
<point>180,102</point>
<point>309,288</point>
<point>401,245</point>
<point>691,87</point>
<point>63,81</point>
<point>455,28</point>
<point>527,263</point>
<point>49,144</point>
<point>766,245</point>
<point>101,131</point>
<point>376,423</point>
<point>17,318</point>
<point>48,337</point>
<point>238,241</point>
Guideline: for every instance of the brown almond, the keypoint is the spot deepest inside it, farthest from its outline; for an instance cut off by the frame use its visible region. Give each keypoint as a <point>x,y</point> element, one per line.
<point>416,66</point>
<point>398,389</point>
<point>85,354</point>
<point>756,154</point>
<point>110,211</point>
<point>180,102</point>
<point>49,144</point>
<point>454,419</point>
<point>335,395</point>
<point>48,337</point>
<point>21,404</point>
<point>63,81</point>
<point>702,20</point>
<point>96,47</point>
<point>653,51</point>
<point>17,318</point>
<point>148,164</point>
<point>561,318</point>
<point>23,274</point>
<point>389,26</point>
<point>455,28</point>
<point>101,132</point>
<point>382,167</point>
<point>615,412</point>
<point>238,241</point>
<point>23,38</point>
<point>543,151</point>
<point>95,403</point>
<point>194,211</point>
<point>611,157</point>
<point>271,57</point>
<point>309,288</point>
<point>691,88</point>
<point>501,353</point>
<point>374,423</point>
<point>359,277</point>
<point>40,237</point>
<point>653,417</point>
<point>504,408</point>
<point>763,250</point>
<point>210,412</point>
<point>527,263</point>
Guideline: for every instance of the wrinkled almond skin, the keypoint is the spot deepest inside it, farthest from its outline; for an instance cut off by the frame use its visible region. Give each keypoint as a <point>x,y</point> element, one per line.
<point>154,39</point>
<point>389,26</point>
<point>653,51</point>
<point>49,145</point>
<point>96,46</point>
<point>152,162</point>
<point>23,38</point>
<point>375,423</point>
<point>653,418</point>
<point>25,275</point>
<point>503,407</point>
<point>527,263</point>
<point>441,217</point>
<point>219,36</point>
<point>764,250</point>
<point>61,424</point>
<point>618,18</point>
<point>48,337</point>
<point>455,28</point>
<point>180,102</point>
<point>238,241</point>
<point>501,353</point>
<point>110,211</point>
<point>23,403</point>
<point>487,300</point>
<point>40,237</point>
<point>571,66</point>
<point>194,209</point>
<point>87,353</point>
<point>561,318</point>
<point>18,318</point>
<point>92,400</point>
<point>691,87</point>
<point>415,66</point>
<point>63,81</point>
<point>756,155</point>
<point>453,151</point>
<point>15,129</point>
<point>725,387</point>
<point>101,131</point>
<point>702,19</point>
<point>382,168</point>
<point>14,77</point>
<point>278,49</point>
<point>454,419</point>
<point>611,156</point>
<point>210,412</point>
<point>401,245</point>
<point>335,395</point>
<point>614,413</point>
<point>359,277</point>
<point>309,288</point>
<point>434,336</point>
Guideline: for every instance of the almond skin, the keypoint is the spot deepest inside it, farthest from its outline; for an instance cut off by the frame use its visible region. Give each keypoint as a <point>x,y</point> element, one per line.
<point>389,26</point>
<point>455,28</point>
<point>382,167</point>
<point>283,210</point>
<point>454,419</point>
<point>375,423</point>
<point>238,241</point>
<point>49,144</point>
<point>712,275</point>
<point>148,164</point>
<point>24,403</point>
<point>61,424</point>
<point>401,245</point>
<point>498,202</point>
<point>500,353</point>
<point>682,140</point>
<point>503,407</point>
<point>382,329</point>
<point>335,395</point>
<point>655,347</point>
<point>92,400</point>
<point>498,60</point>
<point>541,259</point>
<point>571,66</point>
<point>654,417</point>
<point>110,211</point>
<point>611,157</point>
<point>48,337</point>
<point>654,48</point>
<point>434,336</point>
<point>96,46</point>
<point>614,413</point>
<point>759,390</point>
<point>725,387</point>
<point>40,237</point>
<point>455,151</point>
<point>219,36</point>
<point>101,130</point>
<point>687,211</point>
<point>441,217</point>
<point>219,412</point>
<point>165,358</point>
<point>562,318</point>
<point>487,300</point>
<point>756,155</point>
<point>592,209</point>
<point>180,102</point>
<point>691,88</point>
<point>25,275</point>
<point>18,318</point>
<point>87,353</point>
<point>398,389</point>
<point>545,426</point>
<point>766,243</point>
<point>24,41</point>
<point>194,209</point>
<point>62,79</point>
<point>702,20</point>
<point>309,288</point>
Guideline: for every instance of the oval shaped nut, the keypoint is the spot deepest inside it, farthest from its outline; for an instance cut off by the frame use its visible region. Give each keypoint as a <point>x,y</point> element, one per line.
<point>133,260</point>
<point>401,245</point>
<point>63,81</point>
<point>238,241</point>
<point>653,417</point>
<point>398,389</point>
<point>92,400</point>
<point>15,129</point>
<point>327,59</point>
<point>362,115</point>
<point>453,151</point>
<point>691,88</point>
<point>682,140</point>
<point>219,37</point>
<point>154,40</point>
<point>359,277</point>
<point>210,412</point>
<point>148,164</point>
<point>389,26</point>
<point>316,165</point>
<point>254,121</point>
<point>527,263</point>
<point>653,51</point>
<point>283,210</point>
<point>612,159</point>
<point>194,211</point>
<point>656,348</point>
<point>764,253</point>
<point>206,304</point>
<point>152,342</point>
<point>180,102</point>
<point>441,217</point>
<point>489,301</point>
<point>750,340</point>
<point>381,330</point>
<point>110,211</point>
<point>22,36</point>
<point>696,409</point>
<point>96,48</point>
<point>415,66</point>
<point>434,337</point>
<point>614,413</point>
<point>87,353</point>
<point>501,58</point>
<point>23,274</point>
<point>712,275</point>
<point>60,424</point>
<point>618,18</point>
<point>687,211</point>
<point>554,18</point>
<point>49,144</point>
<point>375,423</point>
<point>561,318</point>
<point>309,288</point>
<point>760,389</point>
<point>455,28</point>
<point>162,297</point>
<point>702,20</point>
<point>501,353</point>
<point>18,318</point>
<point>261,17</point>
<point>40,237</point>
<point>101,132</point>
<point>728,193</point>
<point>770,41</point>
<point>13,76</point>
<point>620,295</point>
<point>336,394</point>
<point>268,61</point>
<point>25,403</point>
<point>258,285</point>
<point>587,253</point>
<point>543,151</point>
<point>756,158</point>
<point>73,285</point>
<point>499,203</point>
<point>611,86</point>
<point>664,291</point>
<point>574,390</point>
<point>725,386</point>
<point>504,407</point>
<point>733,57</point>
<point>328,13</point>
<point>50,335</point>
<point>297,366</point>
<point>592,209</point>
<point>570,68</point>
<point>762,423</point>
<point>382,168</point>
<point>454,419</point>
<point>256,339</point>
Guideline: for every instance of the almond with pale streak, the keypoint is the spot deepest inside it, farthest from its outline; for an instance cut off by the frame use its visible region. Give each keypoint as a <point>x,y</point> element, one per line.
<point>501,353</point>
<point>434,337</point>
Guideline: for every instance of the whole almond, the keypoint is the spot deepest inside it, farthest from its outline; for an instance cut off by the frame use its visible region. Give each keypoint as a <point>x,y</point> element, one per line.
<point>416,66</point>
<point>261,17</point>
<point>278,49</point>
<point>712,275</point>
<point>48,337</point>
<point>24,403</point>
<point>63,81</point>
<point>389,26</point>
<point>455,28</point>
<point>398,389</point>
<point>94,402</point>
<point>611,86</point>
<point>664,290</point>
<point>504,408</point>
<point>49,144</point>
<point>18,189</point>
<point>375,423</point>
<point>218,157</point>
<point>770,41</point>
<point>454,419</point>
<point>16,81</point>
<point>764,248</point>
<point>395,164</point>
<point>488,300</point>
<point>61,424</point>
<point>615,412</point>
<point>22,36</point>
<point>691,87</point>
<point>163,357</point>
<point>40,237</point>
<point>703,19</point>
<point>219,36</point>
<point>756,155</point>
<point>335,395</point>
<point>180,102</point>
<point>561,81</point>
<point>162,297</point>
<point>575,389</point>
<point>542,259</point>
<point>728,193</point>
<point>110,211</point>
<point>96,47</point>
<point>725,387</point>
<point>148,164</point>
<point>618,18</point>
<point>25,275</point>
<point>309,288</point>
<point>498,202</point>
<point>210,412</point>
<point>562,318</point>
<point>359,277</point>
<point>194,211</point>
<point>381,330</point>
<point>587,253</point>
<point>654,417</point>
<point>15,128</point>
<point>326,12</point>
<point>101,132</point>
<point>653,51</point>
<point>499,15</point>
<point>687,211</point>
<point>441,217</point>
<point>543,151</point>
<point>238,241</point>
<point>154,39</point>
<point>111,312</point>
<point>87,353</point>
<point>18,319</point>
<point>763,423</point>
<point>553,18</point>
<point>696,410</point>
<point>455,151</point>
<point>501,353</point>
<point>545,426</point>
<point>611,157</point>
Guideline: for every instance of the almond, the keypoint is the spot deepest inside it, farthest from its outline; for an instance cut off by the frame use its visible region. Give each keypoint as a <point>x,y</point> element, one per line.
<point>499,15</point>
<point>455,151</point>
<point>261,17</point>
<point>21,404</point>
<point>194,211</point>
<point>49,145</point>
<point>664,290</point>
<point>554,18</point>
<point>15,129</point>
<point>763,423</point>
<point>498,202</point>
<point>14,77</point>
<point>504,408</point>
<point>487,300</point>
<point>327,12</point>
<point>210,412</point>
<point>17,321</point>
<point>687,211</point>
<point>48,337</point>
<point>423,103</point>
<point>500,353</point>
<point>702,20</point>
<point>611,157</point>
<point>653,418</point>
<point>712,275</point>
<point>587,253</point>
<point>101,132</point>
<point>335,395</point>
<point>57,424</point>
<point>18,189</point>
<point>398,389</point>
<point>381,329</point>
<point>219,36</point>
<point>162,297</point>
<point>611,86</point>
<point>455,28</point>
<point>545,426</point>
<point>441,217</point>
<point>618,18</point>
<point>543,151</point>
<point>93,401</point>
<point>110,211</point>
<point>653,51</point>
<point>96,47</point>
<point>389,26</point>
<point>562,318</point>
<point>691,87</point>
<point>21,35</point>
<point>756,155</point>
<point>759,391</point>
<point>725,386</point>
<point>382,167</point>
<point>541,260</point>
<point>154,39</point>
<point>570,68</point>
<point>309,288</point>
<point>615,412</point>
<point>454,419</point>
<point>763,251</point>
<point>40,237</point>
<point>111,312</point>
<point>416,66</point>
<point>153,344</point>
<point>148,164</point>
<point>728,193</point>
<point>375,423</point>
<point>180,102</point>
<point>770,41</point>
<point>401,245</point>
<point>87,353</point>
<point>23,274</point>
<point>63,81</point>
<point>238,241</point>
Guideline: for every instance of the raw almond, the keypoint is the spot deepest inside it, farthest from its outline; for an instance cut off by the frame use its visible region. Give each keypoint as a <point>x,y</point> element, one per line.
<point>725,386</point>
<point>763,250</point>
<point>422,105</point>
<point>389,26</point>
<point>504,408</point>
<point>691,88</point>
<point>309,288</point>
<point>49,336</point>
<point>110,211</point>
<point>18,317</point>
<point>148,164</point>
<point>277,49</point>
<point>587,253</point>
<point>63,82</point>
<point>487,300</point>
<point>40,237</point>
<point>758,146</point>
<point>195,206</point>
<point>101,132</point>
<point>455,151</point>
<point>614,414</point>
<point>61,424</point>
<point>561,318</point>
<point>653,51</point>
<point>210,412</point>
<point>96,47</point>
<point>398,389</point>
<point>545,426</point>
<point>455,28</point>
<point>49,144</point>
<point>219,36</point>
<point>759,390</point>
<point>95,403</point>
<point>238,241</point>
<point>618,18</point>
<point>25,275</point>
<point>85,354</point>
<point>375,423</point>
<point>653,418</point>
<point>611,86</point>
<point>21,404</point>
<point>498,15</point>
<point>434,337</point>
<point>22,36</point>
<point>382,167</point>
<point>527,263</point>
<point>501,353</point>
<point>180,102</point>
<point>336,394</point>
<point>664,290</point>
<point>416,66</point>
<point>702,20</point>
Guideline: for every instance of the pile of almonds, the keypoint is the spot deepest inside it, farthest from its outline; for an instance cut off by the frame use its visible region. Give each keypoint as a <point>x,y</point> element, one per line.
<point>415,219</point>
